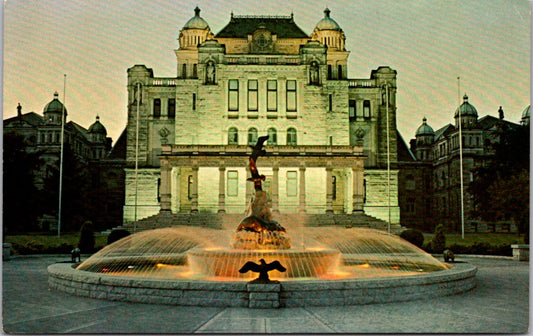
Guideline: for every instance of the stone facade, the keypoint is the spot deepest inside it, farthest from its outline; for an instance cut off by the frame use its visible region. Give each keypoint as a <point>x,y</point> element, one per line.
<point>430,179</point>
<point>259,76</point>
<point>99,166</point>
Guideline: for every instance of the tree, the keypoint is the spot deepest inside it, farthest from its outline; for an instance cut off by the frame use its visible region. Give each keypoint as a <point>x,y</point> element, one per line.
<point>21,204</point>
<point>501,187</point>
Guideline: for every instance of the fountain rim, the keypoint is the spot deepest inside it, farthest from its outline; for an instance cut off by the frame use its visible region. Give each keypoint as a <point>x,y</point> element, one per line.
<point>457,279</point>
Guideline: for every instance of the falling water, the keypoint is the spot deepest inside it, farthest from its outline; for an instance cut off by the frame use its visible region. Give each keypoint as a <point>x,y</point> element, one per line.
<point>188,252</point>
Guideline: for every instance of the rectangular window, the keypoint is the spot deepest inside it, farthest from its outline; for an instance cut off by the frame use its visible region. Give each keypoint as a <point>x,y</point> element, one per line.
<point>252,95</point>
<point>233,183</point>
<point>272,95</point>
<point>334,187</point>
<point>184,71</point>
<point>352,109</point>
<point>330,71</point>
<point>410,206</point>
<point>233,95</point>
<point>339,71</point>
<point>292,184</point>
<point>194,101</point>
<point>291,95</point>
<point>195,71</point>
<point>157,108</point>
<point>171,108</point>
<point>330,102</point>
<point>366,109</point>
<point>189,187</point>
<point>159,190</point>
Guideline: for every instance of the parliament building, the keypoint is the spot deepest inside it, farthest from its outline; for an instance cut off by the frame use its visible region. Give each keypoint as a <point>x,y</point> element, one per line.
<point>332,144</point>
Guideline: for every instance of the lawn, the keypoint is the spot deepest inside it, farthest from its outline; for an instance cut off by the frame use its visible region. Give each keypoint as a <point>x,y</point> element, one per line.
<point>487,238</point>
<point>39,243</point>
<point>479,243</point>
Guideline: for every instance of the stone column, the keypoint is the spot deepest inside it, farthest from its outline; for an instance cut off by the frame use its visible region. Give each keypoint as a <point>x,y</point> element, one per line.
<point>164,188</point>
<point>194,198</point>
<point>302,189</point>
<point>358,181</point>
<point>275,188</point>
<point>329,190</point>
<point>222,190</point>
<point>175,196</point>
<point>249,186</point>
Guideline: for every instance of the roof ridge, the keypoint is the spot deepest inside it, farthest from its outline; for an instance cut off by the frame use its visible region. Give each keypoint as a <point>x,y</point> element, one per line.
<point>262,17</point>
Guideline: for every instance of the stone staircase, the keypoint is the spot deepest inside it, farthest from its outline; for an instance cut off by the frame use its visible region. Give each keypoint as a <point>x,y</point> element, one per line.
<point>223,220</point>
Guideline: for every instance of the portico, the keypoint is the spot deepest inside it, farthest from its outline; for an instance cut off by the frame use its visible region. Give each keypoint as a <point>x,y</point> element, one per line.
<point>211,178</point>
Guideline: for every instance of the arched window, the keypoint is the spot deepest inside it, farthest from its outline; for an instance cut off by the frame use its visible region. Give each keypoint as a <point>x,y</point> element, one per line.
<point>291,137</point>
<point>252,136</point>
<point>272,136</point>
<point>233,136</point>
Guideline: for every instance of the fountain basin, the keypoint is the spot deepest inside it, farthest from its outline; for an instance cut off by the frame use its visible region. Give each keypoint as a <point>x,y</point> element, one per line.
<point>291,293</point>
<point>300,263</point>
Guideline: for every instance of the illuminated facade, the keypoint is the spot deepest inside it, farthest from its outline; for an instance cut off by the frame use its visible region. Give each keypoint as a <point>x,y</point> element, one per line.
<point>261,75</point>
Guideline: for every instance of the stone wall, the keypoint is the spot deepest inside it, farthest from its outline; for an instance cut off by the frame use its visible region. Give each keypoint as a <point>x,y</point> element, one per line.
<point>459,279</point>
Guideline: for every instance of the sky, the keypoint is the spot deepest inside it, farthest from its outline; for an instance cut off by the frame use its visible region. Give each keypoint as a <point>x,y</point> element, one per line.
<point>430,43</point>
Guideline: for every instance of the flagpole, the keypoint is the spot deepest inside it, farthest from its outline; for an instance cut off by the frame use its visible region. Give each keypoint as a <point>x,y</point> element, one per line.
<point>61,155</point>
<point>138,99</point>
<point>461,158</point>
<point>388,154</point>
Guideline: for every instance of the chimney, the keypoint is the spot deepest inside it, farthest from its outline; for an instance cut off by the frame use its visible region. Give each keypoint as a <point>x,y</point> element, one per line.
<point>19,111</point>
<point>500,113</point>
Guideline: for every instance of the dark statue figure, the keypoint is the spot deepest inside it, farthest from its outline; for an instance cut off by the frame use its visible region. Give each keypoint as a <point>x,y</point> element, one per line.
<point>258,230</point>
<point>257,151</point>
<point>263,268</point>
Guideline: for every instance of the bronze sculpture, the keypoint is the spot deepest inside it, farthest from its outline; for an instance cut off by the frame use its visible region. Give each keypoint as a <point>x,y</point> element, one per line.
<point>258,229</point>
<point>262,268</point>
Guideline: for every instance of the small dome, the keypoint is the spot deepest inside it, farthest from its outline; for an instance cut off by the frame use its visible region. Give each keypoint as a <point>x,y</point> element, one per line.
<point>55,105</point>
<point>424,129</point>
<point>467,109</point>
<point>196,22</point>
<point>327,23</point>
<point>525,114</point>
<point>97,127</point>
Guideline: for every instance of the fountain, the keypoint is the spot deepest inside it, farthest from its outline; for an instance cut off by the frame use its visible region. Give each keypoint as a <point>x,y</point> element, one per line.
<point>188,265</point>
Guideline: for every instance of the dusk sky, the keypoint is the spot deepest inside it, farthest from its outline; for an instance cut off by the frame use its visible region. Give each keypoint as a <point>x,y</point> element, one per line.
<point>429,43</point>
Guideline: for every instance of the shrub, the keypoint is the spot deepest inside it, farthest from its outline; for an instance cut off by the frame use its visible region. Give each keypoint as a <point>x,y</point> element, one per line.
<point>116,235</point>
<point>87,242</point>
<point>438,242</point>
<point>413,236</point>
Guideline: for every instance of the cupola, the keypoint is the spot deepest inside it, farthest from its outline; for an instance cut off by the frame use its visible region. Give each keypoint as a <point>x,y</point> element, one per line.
<point>97,131</point>
<point>468,114</point>
<point>53,110</point>
<point>328,32</point>
<point>194,32</point>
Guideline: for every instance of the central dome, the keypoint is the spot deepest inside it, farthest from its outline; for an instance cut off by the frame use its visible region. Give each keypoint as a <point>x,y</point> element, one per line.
<point>327,23</point>
<point>196,22</point>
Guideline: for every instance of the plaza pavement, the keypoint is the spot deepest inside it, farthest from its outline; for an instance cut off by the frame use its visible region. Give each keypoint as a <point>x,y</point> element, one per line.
<point>499,304</point>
